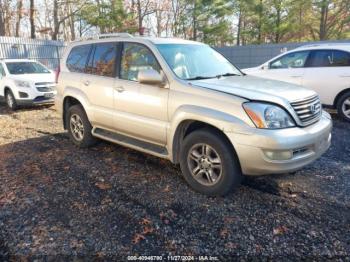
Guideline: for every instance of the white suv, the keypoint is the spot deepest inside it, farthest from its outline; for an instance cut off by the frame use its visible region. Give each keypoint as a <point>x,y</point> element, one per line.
<point>26,82</point>
<point>324,68</point>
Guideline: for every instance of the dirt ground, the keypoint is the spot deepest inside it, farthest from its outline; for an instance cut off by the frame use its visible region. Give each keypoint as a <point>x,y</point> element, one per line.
<point>109,202</point>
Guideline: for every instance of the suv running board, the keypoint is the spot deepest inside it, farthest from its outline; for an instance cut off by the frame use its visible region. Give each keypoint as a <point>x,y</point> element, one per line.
<point>131,142</point>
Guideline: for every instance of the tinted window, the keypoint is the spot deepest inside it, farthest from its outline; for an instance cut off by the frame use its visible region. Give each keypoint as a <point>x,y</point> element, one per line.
<point>340,58</point>
<point>136,57</point>
<point>320,58</point>
<point>329,58</point>
<point>291,60</point>
<point>77,58</point>
<point>103,61</point>
<point>20,68</point>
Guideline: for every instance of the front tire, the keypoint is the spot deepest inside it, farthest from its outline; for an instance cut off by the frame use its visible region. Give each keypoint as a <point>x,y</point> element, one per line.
<point>343,106</point>
<point>11,100</point>
<point>79,127</point>
<point>209,163</point>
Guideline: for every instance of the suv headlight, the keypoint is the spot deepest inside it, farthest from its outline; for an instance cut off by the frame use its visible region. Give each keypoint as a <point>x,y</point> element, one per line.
<point>22,83</point>
<point>268,116</point>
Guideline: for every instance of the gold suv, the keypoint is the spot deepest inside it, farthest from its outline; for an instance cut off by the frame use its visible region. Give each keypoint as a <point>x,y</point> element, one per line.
<point>183,101</point>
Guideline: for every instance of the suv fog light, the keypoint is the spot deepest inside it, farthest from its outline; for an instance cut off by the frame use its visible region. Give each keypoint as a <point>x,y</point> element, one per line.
<point>23,95</point>
<point>279,155</point>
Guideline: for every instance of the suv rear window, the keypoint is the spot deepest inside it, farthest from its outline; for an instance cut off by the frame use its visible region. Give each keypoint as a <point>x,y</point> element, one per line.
<point>329,58</point>
<point>103,61</point>
<point>78,57</point>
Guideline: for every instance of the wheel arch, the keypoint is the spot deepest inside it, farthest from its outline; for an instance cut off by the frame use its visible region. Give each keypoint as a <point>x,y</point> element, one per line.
<point>68,102</point>
<point>336,99</point>
<point>189,126</point>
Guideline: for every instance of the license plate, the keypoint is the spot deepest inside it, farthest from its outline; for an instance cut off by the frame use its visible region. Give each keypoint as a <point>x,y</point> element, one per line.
<point>49,95</point>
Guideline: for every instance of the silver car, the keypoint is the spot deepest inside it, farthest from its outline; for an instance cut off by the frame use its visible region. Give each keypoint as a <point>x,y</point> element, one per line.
<point>183,101</point>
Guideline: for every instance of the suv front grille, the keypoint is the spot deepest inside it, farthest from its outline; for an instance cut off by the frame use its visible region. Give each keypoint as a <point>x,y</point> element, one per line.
<point>308,110</point>
<point>44,89</point>
<point>45,86</point>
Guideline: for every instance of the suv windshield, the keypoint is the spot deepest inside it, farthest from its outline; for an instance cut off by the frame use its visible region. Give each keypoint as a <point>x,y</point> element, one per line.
<point>195,62</point>
<point>20,68</point>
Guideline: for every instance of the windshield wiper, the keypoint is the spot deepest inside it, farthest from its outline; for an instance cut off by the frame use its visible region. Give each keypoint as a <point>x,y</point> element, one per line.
<point>227,74</point>
<point>200,77</point>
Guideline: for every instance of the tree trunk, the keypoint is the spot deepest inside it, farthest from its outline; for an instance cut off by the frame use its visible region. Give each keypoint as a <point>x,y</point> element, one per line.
<point>19,16</point>
<point>2,19</point>
<point>323,20</point>
<point>31,19</point>
<point>71,23</point>
<point>278,23</point>
<point>56,25</point>
<point>260,21</point>
<point>140,17</point>
<point>194,21</point>
<point>238,42</point>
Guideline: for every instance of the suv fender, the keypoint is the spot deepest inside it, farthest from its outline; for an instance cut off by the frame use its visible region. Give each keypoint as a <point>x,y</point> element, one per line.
<point>220,120</point>
<point>78,95</point>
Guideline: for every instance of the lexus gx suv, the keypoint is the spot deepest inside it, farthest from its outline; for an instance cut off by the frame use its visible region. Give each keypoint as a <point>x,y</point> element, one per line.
<point>183,101</point>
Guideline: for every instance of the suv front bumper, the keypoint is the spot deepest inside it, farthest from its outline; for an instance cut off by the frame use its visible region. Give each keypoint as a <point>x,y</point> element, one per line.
<point>27,97</point>
<point>303,145</point>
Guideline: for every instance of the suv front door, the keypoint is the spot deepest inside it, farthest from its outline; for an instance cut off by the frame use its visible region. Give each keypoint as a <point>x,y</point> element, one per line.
<point>288,68</point>
<point>141,110</point>
<point>328,73</point>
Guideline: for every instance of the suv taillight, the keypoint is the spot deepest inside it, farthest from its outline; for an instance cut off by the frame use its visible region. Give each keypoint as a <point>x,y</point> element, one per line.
<point>57,72</point>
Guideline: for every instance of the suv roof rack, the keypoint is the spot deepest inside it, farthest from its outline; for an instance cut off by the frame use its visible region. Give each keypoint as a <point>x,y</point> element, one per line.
<point>103,36</point>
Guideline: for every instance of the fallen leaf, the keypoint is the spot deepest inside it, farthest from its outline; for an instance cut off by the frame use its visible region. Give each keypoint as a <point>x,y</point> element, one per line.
<point>103,186</point>
<point>147,230</point>
<point>166,189</point>
<point>145,221</point>
<point>224,233</point>
<point>280,230</point>
<point>137,238</point>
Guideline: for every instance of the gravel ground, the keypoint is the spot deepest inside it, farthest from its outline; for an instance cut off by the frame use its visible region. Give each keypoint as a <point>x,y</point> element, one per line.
<point>108,202</point>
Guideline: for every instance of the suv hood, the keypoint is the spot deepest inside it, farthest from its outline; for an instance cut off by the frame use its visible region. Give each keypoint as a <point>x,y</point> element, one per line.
<point>34,78</point>
<point>256,88</point>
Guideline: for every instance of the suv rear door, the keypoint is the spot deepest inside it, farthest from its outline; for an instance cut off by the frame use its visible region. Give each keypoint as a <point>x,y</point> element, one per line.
<point>97,83</point>
<point>141,110</point>
<point>327,72</point>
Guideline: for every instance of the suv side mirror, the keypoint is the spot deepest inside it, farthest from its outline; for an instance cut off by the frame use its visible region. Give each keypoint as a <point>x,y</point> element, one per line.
<point>150,77</point>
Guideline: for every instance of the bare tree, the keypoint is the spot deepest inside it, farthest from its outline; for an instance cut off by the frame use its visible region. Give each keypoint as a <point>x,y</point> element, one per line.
<point>58,19</point>
<point>144,8</point>
<point>2,18</point>
<point>31,19</point>
<point>19,16</point>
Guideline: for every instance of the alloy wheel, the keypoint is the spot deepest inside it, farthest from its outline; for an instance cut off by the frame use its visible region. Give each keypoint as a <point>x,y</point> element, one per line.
<point>10,100</point>
<point>346,107</point>
<point>205,164</point>
<point>77,127</point>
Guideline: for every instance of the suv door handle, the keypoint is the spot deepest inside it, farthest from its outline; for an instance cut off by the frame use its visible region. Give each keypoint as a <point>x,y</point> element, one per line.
<point>119,89</point>
<point>296,76</point>
<point>87,82</point>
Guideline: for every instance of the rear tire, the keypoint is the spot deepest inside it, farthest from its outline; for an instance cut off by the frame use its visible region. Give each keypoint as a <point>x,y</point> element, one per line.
<point>209,163</point>
<point>79,127</point>
<point>343,106</point>
<point>11,100</point>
